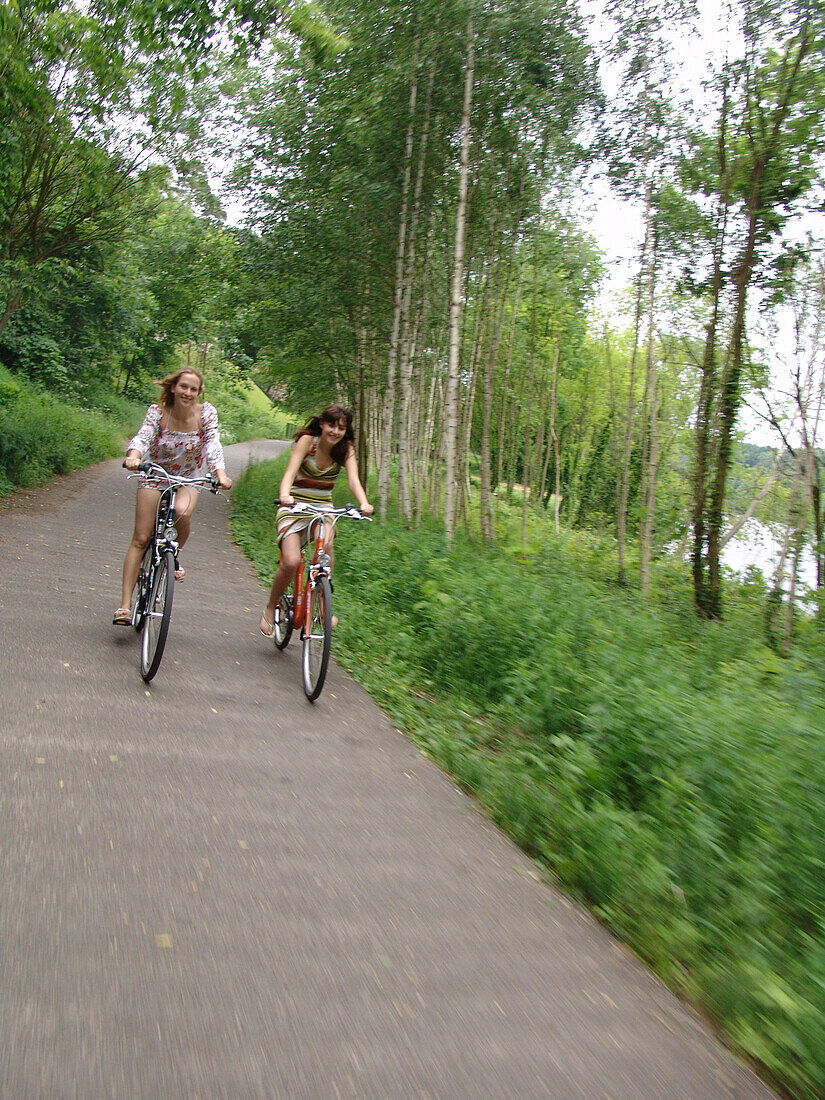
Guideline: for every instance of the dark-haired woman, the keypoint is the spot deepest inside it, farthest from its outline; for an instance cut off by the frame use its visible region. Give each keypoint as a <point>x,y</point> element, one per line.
<point>323,447</point>
<point>179,433</point>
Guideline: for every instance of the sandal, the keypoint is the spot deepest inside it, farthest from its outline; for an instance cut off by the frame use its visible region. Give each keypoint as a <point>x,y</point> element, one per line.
<point>180,574</point>
<point>122,617</point>
<point>266,627</point>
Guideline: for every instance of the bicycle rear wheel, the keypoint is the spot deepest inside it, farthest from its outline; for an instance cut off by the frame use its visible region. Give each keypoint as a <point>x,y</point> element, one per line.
<point>140,593</point>
<point>158,613</point>
<point>315,657</point>
<point>283,622</point>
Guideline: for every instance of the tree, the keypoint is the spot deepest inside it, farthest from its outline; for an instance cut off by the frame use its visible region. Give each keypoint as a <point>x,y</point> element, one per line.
<point>90,94</point>
<point>642,130</point>
<point>357,216</point>
<point>758,166</point>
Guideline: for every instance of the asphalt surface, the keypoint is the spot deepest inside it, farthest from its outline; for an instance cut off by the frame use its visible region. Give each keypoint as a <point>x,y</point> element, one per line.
<point>214,889</point>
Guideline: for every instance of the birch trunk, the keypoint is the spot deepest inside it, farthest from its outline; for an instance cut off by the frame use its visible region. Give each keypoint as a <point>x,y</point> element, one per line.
<point>526,472</point>
<point>646,548</point>
<point>405,461</point>
<point>451,398</point>
<point>623,487</point>
<point>392,361</point>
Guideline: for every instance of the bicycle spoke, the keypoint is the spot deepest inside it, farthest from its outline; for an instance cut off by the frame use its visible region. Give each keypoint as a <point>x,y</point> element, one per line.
<point>315,657</point>
<point>283,622</point>
<point>158,613</point>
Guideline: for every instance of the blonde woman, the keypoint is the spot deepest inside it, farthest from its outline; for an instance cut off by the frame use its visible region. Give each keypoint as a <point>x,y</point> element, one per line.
<point>180,433</point>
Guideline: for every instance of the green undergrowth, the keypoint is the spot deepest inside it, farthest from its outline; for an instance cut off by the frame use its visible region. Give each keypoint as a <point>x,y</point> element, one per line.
<point>668,771</point>
<point>42,435</point>
<point>244,410</point>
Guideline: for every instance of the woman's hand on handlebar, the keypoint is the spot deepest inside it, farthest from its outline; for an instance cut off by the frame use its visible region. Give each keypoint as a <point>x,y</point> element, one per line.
<point>366,509</point>
<point>132,460</point>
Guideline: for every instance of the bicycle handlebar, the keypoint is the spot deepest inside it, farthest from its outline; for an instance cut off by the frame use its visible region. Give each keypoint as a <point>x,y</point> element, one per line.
<point>173,479</point>
<point>298,506</point>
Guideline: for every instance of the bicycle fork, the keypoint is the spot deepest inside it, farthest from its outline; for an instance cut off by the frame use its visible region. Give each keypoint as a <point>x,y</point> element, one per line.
<point>298,610</point>
<point>305,583</point>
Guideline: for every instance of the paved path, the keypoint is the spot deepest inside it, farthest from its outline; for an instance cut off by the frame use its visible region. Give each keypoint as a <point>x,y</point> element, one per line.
<point>213,889</point>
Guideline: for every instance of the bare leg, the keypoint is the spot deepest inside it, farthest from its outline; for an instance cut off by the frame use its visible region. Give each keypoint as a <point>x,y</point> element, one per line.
<point>146,507</point>
<point>290,556</point>
<point>185,503</point>
<point>329,547</point>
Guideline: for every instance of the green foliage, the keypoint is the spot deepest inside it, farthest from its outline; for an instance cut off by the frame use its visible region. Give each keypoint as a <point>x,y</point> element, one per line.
<point>668,770</point>
<point>325,168</point>
<point>40,436</point>
<point>240,412</point>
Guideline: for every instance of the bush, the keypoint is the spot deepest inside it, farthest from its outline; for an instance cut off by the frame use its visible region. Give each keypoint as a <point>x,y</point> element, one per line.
<point>40,436</point>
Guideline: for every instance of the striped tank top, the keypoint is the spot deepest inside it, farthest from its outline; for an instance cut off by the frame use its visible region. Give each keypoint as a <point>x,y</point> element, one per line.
<point>311,484</point>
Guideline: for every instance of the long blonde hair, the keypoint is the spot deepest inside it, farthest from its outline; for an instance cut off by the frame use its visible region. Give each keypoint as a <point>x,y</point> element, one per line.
<point>167,398</point>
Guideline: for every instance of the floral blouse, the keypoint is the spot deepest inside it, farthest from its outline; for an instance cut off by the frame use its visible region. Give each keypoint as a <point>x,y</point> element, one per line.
<point>181,453</point>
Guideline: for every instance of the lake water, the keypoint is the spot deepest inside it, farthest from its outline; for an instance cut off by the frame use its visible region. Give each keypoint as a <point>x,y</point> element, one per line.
<point>756,547</point>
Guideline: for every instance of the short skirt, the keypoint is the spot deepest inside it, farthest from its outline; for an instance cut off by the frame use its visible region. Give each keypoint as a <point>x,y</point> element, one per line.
<point>287,523</point>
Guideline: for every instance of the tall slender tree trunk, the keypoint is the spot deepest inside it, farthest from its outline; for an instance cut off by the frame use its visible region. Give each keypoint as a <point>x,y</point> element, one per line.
<point>392,360</point>
<point>557,495</point>
<point>506,429</point>
<point>649,489</point>
<point>405,446</point>
<point>790,549</point>
<point>362,430</point>
<point>623,487</point>
<point>488,529</point>
<point>451,398</point>
<point>704,423</point>
<point>526,472</point>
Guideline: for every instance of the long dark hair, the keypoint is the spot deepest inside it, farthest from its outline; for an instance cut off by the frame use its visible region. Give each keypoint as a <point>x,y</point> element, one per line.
<point>332,414</point>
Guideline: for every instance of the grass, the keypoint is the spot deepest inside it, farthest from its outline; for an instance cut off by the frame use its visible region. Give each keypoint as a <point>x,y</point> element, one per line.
<point>668,771</point>
<point>41,436</point>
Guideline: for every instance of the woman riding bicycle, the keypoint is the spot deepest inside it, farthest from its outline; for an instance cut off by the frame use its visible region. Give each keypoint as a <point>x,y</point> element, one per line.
<point>323,447</point>
<point>179,433</point>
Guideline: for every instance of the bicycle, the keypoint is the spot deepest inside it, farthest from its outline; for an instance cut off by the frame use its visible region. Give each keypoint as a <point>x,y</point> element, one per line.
<point>309,607</point>
<point>155,584</point>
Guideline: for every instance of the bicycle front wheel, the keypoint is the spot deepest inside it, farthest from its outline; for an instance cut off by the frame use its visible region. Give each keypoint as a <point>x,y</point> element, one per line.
<point>158,613</point>
<point>140,593</point>
<point>317,638</point>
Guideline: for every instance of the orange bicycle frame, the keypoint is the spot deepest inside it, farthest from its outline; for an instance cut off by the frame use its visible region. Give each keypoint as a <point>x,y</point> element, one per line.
<point>300,605</point>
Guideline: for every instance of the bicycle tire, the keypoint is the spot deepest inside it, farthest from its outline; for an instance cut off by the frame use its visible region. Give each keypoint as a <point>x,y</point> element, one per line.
<point>283,622</point>
<point>140,593</point>
<point>158,614</point>
<point>315,657</point>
